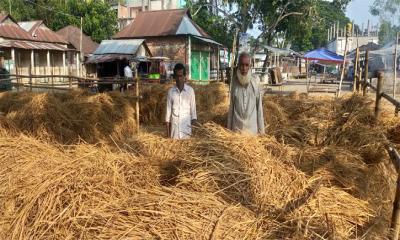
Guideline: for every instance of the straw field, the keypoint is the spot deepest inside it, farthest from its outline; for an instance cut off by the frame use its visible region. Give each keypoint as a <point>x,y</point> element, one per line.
<point>320,172</point>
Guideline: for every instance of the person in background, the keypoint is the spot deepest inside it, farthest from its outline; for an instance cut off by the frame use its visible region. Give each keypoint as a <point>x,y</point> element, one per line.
<point>181,106</point>
<point>163,71</point>
<point>245,109</point>
<point>128,77</point>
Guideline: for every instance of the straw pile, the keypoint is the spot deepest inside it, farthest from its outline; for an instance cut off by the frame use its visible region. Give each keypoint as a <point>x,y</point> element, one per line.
<point>47,192</point>
<point>315,175</point>
<point>70,117</point>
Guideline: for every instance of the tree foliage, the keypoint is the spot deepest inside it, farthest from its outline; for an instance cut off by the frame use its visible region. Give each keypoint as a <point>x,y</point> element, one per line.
<point>388,11</point>
<point>215,25</point>
<point>99,20</point>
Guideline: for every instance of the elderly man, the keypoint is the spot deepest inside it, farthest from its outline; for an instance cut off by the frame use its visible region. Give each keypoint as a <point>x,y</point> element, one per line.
<point>181,106</point>
<point>245,110</point>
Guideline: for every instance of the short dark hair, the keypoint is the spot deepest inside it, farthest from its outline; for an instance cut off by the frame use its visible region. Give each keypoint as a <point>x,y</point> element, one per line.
<point>178,67</point>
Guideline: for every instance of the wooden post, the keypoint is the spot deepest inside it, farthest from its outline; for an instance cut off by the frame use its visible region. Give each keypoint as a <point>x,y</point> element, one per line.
<point>379,86</point>
<point>30,78</point>
<point>355,82</point>
<point>359,78</point>
<point>365,73</point>
<point>218,59</point>
<point>395,222</point>
<point>52,78</point>
<point>308,80</point>
<point>395,66</point>
<point>343,67</point>
<point>137,102</point>
<point>233,59</point>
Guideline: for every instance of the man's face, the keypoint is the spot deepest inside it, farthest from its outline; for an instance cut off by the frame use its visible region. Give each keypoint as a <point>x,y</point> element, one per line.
<point>179,77</point>
<point>244,65</point>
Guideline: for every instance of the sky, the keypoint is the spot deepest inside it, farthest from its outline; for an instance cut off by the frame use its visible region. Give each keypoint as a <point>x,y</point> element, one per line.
<point>358,10</point>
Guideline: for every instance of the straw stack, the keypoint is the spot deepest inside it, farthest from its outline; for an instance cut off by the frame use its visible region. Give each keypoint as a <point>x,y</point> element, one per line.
<point>70,117</point>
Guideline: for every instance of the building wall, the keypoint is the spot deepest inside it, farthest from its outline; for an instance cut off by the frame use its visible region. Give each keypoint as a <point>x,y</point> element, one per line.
<point>338,45</point>
<point>172,47</point>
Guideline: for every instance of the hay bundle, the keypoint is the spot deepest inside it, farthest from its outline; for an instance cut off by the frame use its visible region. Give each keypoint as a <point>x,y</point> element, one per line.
<point>87,192</point>
<point>70,117</point>
<point>297,119</point>
<point>354,127</point>
<point>153,104</point>
<point>330,213</point>
<point>243,170</point>
<point>394,134</point>
<point>211,103</point>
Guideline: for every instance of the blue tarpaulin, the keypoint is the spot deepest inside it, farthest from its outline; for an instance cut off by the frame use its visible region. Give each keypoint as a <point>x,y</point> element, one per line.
<point>323,55</point>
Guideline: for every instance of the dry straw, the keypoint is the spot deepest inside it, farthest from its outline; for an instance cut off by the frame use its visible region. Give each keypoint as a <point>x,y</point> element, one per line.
<point>320,173</point>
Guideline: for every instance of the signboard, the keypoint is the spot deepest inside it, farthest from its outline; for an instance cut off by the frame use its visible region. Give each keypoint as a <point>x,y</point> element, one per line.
<point>244,42</point>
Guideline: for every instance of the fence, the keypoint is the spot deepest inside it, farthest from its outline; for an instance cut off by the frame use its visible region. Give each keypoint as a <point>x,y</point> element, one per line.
<point>394,155</point>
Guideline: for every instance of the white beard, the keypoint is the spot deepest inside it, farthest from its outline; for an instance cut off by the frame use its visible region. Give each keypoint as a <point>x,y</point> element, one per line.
<point>243,80</point>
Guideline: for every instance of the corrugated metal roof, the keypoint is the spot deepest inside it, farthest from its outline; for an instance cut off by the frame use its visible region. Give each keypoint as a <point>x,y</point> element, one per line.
<point>3,17</point>
<point>208,40</point>
<point>107,58</point>
<point>10,29</point>
<point>72,34</point>
<point>32,45</point>
<point>40,32</point>
<point>162,23</point>
<point>30,25</point>
<point>119,46</point>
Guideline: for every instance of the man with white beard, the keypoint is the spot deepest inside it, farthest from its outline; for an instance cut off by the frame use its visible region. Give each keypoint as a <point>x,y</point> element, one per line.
<point>245,110</point>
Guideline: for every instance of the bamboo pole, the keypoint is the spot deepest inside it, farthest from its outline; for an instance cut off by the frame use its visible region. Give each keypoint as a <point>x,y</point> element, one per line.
<point>233,59</point>
<point>395,66</point>
<point>343,66</point>
<point>355,82</point>
<point>365,73</point>
<point>378,99</point>
<point>30,78</point>
<point>395,221</point>
<point>137,102</point>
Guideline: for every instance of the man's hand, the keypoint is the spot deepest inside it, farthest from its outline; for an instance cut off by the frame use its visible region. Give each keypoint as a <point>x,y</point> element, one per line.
<point>195,123</point>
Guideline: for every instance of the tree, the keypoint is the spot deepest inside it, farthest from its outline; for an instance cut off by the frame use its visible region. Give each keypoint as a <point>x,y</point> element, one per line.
<point>19,9</point>
<point>215,25</point>
<point>313,29</point>
<point>99,19</point>
<point>388,11</point>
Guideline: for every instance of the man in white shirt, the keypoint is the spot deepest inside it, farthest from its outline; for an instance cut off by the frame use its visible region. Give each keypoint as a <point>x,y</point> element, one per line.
<point>181,106</point>
<point>128,77</point>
